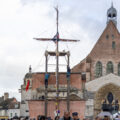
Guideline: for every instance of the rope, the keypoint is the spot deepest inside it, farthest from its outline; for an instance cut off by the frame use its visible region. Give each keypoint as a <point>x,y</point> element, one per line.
<point>41,59</point>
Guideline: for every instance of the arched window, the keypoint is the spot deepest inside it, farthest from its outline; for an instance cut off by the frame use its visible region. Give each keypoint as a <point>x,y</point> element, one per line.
<point>119,69</point>
<point>109,67</point>
<point>113,45</point>
<point>98,69</point>
<point>114,15</point>
<point>110,97</point>
<point>109,15</point>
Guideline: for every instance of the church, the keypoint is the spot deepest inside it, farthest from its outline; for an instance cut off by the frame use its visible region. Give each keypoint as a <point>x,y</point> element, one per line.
<point>94,82</point>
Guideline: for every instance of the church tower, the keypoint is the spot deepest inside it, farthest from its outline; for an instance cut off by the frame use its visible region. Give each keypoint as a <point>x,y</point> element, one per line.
<point>112,15</point>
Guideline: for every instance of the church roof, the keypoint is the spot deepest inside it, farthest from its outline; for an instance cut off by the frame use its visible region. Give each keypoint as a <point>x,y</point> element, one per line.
<point>103,47</point>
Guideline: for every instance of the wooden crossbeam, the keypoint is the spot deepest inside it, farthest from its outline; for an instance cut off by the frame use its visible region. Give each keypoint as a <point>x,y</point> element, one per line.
<point>60,40</point>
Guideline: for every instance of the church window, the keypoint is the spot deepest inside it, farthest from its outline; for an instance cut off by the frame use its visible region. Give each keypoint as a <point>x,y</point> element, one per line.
<point>107,36</point>
<point>114,15</point>
<point>11,114</point>
<point>119,69</point>
<point>15,114</point>
<point>113,45</point>
<point>98,69</point>
<point>109,67</point>
<point>109,15</point>
<point>110,97</point>
<point>112,36</point>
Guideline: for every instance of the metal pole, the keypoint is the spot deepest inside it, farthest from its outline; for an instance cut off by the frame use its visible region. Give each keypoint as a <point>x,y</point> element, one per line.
<point>68,84</point>
<point>46,91</point>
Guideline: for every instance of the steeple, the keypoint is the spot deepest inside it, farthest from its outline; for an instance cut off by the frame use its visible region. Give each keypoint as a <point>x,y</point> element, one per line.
<point>30,69</point>
<point>112,14</point>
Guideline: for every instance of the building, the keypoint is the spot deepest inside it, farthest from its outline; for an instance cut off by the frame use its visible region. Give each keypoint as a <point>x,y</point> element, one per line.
<point>94,82</point>
<point>14,109</point>
<point>9,107</point>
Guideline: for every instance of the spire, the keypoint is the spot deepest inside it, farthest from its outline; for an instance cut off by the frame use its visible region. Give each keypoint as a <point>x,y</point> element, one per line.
<point>112,14</point>
<point>112,4</point>
<point>30,69</point>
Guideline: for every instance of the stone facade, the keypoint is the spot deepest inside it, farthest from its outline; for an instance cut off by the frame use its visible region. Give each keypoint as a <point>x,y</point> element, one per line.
<point>100,87</point>
<point>13,112</point>
<point>36,93</point>
<point>37,108</point>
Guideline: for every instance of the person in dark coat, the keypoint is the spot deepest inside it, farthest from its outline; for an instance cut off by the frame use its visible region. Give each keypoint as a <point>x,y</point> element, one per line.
<point>98,118</point>
<point>75,116</point>
<point>106,118</point>
<point>66,116</point>
<point>57,117</point>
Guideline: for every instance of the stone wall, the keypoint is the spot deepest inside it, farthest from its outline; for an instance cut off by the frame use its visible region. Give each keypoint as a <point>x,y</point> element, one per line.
<point>89,108</point>
<point>38,80</point>
<point>101,95</point>
<point>97,91</point>
<point>37,108</point>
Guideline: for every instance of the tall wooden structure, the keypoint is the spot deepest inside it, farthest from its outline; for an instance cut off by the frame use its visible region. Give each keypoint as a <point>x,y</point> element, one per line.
<point>57,54</point>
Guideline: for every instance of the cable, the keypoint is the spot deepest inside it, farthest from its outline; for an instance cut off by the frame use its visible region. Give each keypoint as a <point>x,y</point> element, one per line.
<point>40,59</point>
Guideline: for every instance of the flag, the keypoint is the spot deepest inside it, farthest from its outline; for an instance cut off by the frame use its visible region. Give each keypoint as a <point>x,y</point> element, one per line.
<point>27,86</point>
<point>56,37</point>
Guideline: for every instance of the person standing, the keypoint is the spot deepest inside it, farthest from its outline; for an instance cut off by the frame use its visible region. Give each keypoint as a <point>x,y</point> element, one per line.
<point>75,116</point>
<point>98,118</point>
<point>66,116</point>
<point>106,118</point>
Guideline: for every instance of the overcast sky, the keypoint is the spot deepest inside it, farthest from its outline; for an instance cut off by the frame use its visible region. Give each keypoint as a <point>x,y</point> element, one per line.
<point>22,20</point>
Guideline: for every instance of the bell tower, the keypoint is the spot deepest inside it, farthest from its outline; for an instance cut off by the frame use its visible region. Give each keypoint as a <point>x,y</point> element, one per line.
<point>112,15</point>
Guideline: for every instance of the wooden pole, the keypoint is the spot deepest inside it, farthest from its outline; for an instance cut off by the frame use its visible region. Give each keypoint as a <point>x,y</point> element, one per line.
<point>46,91</point>
<point>57,67</point>
<point>68,83</point>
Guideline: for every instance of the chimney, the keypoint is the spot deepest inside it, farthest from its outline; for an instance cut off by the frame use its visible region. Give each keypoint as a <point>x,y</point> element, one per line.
<point>6,96</point>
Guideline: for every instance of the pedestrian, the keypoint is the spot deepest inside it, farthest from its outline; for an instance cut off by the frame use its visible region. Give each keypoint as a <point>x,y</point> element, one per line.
<point>97,118</point>
<point>106,118</point>
<point>75,116</point>
<point>85,118</point>
<point>57,117</point>
<point>117,117</point>
<point>66,116</point>
<point>41,117</point>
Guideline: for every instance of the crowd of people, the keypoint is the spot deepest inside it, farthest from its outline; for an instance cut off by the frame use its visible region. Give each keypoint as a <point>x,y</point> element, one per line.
<point>67,116</point>
<point>108,118</point>
<point>75,116</point>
